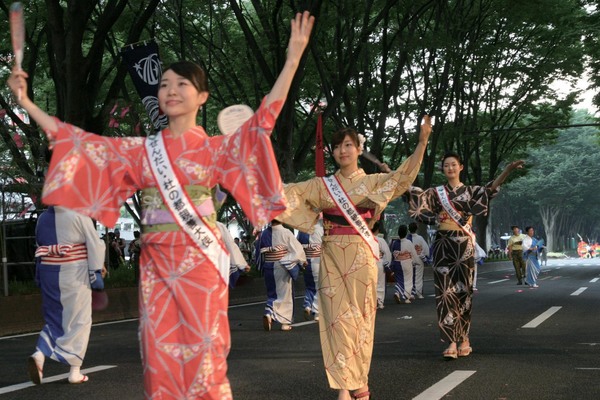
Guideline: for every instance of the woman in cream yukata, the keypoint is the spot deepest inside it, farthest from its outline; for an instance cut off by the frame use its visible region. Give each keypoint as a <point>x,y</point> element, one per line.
<point>184,330</point>
<point>348,273</point>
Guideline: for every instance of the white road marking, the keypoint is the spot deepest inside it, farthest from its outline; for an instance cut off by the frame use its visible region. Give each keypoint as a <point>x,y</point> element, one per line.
<point>534,323</point>
<point>25,385</point>
<point>440,389</point>
<point>501,280</point>
<point>304,323</point>
<point>578,291</point>
<point>259,302</point>
<point>594,280</point>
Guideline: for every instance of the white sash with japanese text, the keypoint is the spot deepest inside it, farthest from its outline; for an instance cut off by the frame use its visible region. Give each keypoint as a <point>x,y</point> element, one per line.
<point>182,208</point>
<point>453,212</point>
<point>345,205</point>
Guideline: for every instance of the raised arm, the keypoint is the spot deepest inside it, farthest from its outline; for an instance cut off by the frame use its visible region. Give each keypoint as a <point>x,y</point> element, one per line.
<point>301,26</point>
<point>509,168</point>
<point>419,152</point>
<point>18,84</point>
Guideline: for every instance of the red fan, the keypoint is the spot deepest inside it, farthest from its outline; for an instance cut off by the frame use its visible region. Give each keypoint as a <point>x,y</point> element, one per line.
<point>17,33</point>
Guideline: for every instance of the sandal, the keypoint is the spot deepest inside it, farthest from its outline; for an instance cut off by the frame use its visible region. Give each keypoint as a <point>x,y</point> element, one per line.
<point>450,354</point>
<point>267,322</point>
<point>362,395</point>
<point>286,327</point>
<point>84,378</point>
<point>465,351</point>
<point>35,371</point>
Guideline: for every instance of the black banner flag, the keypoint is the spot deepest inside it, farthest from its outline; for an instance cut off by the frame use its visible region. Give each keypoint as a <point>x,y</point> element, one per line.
<point>143,64</point>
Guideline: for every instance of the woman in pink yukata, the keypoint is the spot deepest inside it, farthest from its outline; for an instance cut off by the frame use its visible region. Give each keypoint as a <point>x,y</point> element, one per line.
<point>184,330</point>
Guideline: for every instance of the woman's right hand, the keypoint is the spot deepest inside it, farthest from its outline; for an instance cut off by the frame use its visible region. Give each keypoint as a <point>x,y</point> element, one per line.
<point>17,82</point>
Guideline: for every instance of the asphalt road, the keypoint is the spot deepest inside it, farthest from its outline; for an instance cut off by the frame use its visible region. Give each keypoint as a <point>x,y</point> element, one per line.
<point>528,344</point>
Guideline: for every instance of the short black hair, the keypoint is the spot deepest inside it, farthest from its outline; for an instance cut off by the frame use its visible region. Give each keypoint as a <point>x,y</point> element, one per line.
<point>375,227</point>
<point>402,231</point>
<point>451,154</point>
<point>413,227</point>
<point>192,72</point>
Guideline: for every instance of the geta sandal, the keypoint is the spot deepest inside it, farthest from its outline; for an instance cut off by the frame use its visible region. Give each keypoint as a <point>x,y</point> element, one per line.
<point>450,354</point>
<point>267,322</point>
<point>362,395</point>
<point>84,378</point>
<point>34,370</point>
<point>465,351</point>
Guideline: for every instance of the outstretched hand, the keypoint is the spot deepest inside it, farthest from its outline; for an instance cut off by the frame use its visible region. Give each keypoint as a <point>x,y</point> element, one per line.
<point>301,28</point>
<point>17,82</point>
<point>515,165</point>
<point>426,129</point>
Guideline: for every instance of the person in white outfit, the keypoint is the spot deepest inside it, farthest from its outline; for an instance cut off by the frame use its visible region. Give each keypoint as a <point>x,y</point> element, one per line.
<point>422,249</point>
<point>312,248</point>
<point>279,256</point>
<point>237,262</point>
<point>404,256</point>
<point>385,258</point>
<point>69,264</point>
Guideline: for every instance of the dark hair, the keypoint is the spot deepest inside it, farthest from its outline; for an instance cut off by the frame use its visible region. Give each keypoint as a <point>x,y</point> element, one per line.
<point>451,155</point>
<point>136,234</point>
<point>402,231</point>
<point>412,227</point>
<point>527,228</point>
<point>192,72</point>
<point>514,226</point>
<point>338,137</point>
<point>375,227</point>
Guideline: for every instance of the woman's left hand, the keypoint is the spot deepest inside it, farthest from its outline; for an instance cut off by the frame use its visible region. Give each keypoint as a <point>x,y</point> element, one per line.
<point>426,129</point>
<point>515,165</point>
<point>300,34</point>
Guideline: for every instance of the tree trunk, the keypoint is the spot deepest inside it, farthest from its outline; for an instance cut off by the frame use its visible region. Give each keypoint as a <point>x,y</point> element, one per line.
<point>549,215</point>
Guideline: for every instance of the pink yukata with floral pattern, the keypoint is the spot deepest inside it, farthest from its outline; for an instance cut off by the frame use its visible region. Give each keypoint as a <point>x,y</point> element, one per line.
<point>183,300</point>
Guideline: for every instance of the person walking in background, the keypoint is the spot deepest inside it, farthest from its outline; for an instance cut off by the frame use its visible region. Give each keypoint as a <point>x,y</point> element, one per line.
<point>279,256</point>
<point>422,249</point>
<point>383,264</point>
<point>452,206</point>
<point>183,263</point>
<point>69,264</point>
<point>237,262</point>
<point>351,202</point>
<point>312,248</point>
<point>531,248</point>
<point>404,258</point>
<point>134,250</point>
<point>515,252</point>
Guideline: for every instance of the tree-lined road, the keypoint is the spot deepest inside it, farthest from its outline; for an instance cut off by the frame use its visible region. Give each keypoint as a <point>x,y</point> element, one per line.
<point>528,344</point>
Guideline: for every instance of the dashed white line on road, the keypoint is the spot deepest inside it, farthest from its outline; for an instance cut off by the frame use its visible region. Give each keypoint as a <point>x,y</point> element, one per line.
<point>594,280</point>
<point>501,280</point>
<point>534,323</point>
<point>578,291</point>
<point>440,389</point>
<point>25,385</point>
